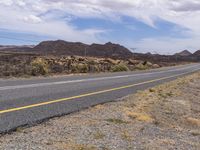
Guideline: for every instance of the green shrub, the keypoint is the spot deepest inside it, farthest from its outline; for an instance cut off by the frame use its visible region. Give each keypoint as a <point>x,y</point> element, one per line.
<point>39,67</point>
<point>119,67</point>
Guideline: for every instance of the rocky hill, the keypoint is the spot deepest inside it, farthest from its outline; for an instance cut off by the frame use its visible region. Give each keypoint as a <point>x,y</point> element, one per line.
<point>60,47</point>
<point>184,53</point>
<point>197,53</point>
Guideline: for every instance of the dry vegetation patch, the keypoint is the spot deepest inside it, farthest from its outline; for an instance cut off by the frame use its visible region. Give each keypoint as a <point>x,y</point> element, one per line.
<point>16,65</point>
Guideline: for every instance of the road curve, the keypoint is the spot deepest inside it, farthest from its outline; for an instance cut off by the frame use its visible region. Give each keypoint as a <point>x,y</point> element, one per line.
<point>30,101</point>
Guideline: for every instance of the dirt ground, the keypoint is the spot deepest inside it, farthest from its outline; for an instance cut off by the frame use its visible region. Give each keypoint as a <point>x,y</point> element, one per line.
<point>163,117</point>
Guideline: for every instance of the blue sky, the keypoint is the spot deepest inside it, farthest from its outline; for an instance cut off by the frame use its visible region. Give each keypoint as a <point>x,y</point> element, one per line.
<point>12,37</point>
<point>126,29</point>
<point>164,26</point>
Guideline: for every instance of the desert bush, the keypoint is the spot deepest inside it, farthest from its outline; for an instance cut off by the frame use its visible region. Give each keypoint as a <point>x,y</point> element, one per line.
<point>119,67</point>
<point>39,67</point>
<point>155,66</point>
<point>80,68</point>
<point>56,68</point>
<point>94,68</point>
<point>141,66</point>
<point>92,62</point>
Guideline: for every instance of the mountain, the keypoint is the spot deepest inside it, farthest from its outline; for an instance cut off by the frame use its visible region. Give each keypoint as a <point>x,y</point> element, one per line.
<point>148,53</point>
<point>184,53</point>
<point>14,48</point>
<point>61,47</point>
<point>197,53</point>
<point>2,47</point>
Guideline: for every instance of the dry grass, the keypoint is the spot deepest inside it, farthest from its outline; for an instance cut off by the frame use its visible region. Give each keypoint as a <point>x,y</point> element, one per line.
<point>119,68</point>
<point>116,121</point>
<point>139,116</point>
<point>98,135</point>
<point>193,121</point>
<point>126,136</point>
<point>73,146</point>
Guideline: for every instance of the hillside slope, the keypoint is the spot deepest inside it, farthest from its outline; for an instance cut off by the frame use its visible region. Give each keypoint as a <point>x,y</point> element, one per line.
<point>197,53</point>
<point>60,47</point>
<point>184,53</point>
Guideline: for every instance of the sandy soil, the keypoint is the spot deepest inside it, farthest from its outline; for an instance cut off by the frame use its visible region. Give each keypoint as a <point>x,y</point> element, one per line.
<point>163,117</point>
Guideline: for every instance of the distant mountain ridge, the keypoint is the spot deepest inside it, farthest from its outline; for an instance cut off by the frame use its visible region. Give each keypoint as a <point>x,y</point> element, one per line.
<point>16,48</point>
<point>61,47</point>
<point>184,53</point>
<point>109,50</point>
<point>197,53</point>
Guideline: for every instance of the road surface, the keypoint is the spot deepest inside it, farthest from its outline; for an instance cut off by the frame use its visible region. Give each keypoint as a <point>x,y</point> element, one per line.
<point>31,101</point>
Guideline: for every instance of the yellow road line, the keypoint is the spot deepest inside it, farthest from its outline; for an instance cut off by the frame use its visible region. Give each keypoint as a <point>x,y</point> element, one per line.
<point>88,94</point>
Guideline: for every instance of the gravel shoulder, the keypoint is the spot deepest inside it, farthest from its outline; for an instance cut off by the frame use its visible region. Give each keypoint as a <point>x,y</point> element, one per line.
<point>163,117</point>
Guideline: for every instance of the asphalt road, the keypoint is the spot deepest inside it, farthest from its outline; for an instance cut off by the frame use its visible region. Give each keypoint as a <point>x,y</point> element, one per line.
<point>31,101</point>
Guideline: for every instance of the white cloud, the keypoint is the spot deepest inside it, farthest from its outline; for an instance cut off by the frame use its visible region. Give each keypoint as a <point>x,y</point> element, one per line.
<point>6,2</point>
<point>167,45</point>
<point>20,3</point>
<point>32,19</point>
<point>46,17</point>
<point>186,5</point>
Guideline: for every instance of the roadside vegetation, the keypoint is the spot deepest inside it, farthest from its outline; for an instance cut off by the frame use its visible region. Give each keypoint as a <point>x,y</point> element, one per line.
<point>120,68</point>
<point>33,65</point>
<point>39,66</point>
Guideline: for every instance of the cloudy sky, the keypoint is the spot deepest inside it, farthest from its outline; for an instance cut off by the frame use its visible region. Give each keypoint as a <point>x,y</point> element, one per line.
<point>163,26</point>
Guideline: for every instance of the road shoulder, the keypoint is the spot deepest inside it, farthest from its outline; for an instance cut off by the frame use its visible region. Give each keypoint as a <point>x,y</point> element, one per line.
<point>164,117</point>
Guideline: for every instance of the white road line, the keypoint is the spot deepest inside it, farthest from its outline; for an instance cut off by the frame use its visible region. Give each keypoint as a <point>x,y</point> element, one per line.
<point>85,80</point>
